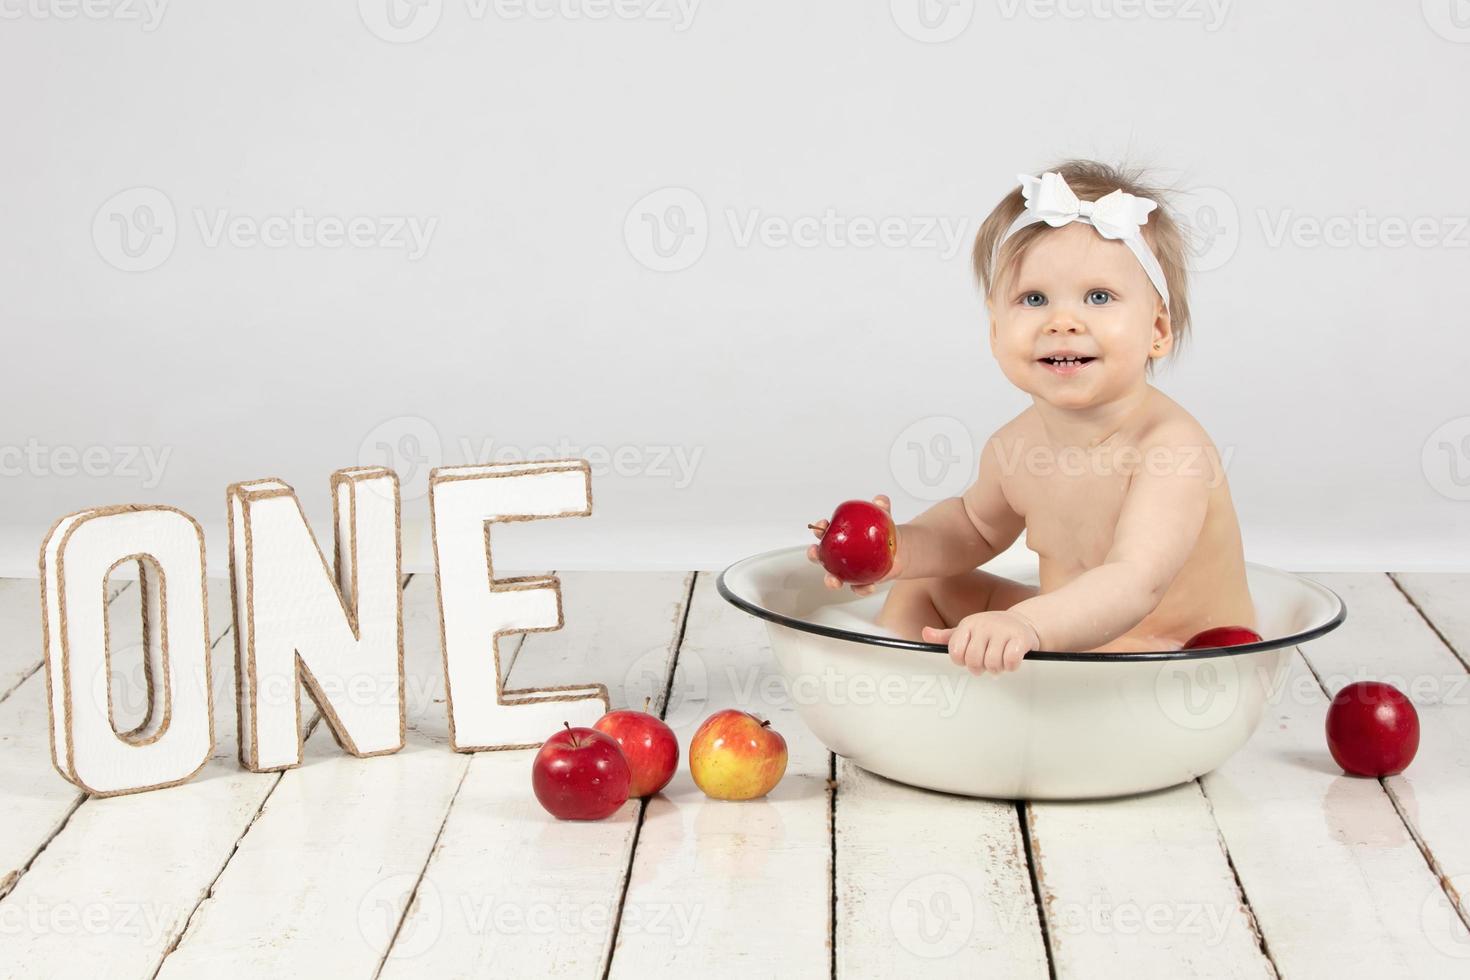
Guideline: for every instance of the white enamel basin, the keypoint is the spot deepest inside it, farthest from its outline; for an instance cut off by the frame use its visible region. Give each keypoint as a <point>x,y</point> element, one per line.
<point>1063,726</point>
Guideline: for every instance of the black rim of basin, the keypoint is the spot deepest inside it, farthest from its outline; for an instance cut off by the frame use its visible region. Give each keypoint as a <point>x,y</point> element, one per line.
<point>1198,653</point>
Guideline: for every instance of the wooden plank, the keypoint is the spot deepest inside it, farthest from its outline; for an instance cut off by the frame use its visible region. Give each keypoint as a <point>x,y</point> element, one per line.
<point>313,885</point>
<point>1386,639</point>
<point>748,881</point>
<point>38,800</point>
<point>1444,599</point>
<point>509,890</point>
<point>114,887</point>
<point>1337,885</point>
<point>930,882</point>
<point>21,654</point>
<point>1142,887</point>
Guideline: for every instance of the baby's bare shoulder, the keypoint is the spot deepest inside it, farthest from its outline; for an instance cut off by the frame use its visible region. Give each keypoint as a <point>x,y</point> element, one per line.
<point>1025,425</point>
<point>1170,425</point>
<point>1175,443</point>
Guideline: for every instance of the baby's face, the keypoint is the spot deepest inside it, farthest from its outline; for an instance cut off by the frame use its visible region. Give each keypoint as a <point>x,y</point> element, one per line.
<point>1076,291</point>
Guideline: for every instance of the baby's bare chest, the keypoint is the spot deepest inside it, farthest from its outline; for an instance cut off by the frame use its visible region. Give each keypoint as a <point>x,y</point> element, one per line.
<point>1070,518</point>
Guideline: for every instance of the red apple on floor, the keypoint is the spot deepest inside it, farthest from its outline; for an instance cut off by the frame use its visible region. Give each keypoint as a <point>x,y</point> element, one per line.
<point>736,756</point>
<point>1372,729</point>
<point>580,774</point>
<point>859,543</point>
<point>1222,636</point>
<point>648,744</point>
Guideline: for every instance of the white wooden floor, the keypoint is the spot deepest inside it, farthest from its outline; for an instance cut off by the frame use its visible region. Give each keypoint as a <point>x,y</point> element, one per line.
<point>431,863</point>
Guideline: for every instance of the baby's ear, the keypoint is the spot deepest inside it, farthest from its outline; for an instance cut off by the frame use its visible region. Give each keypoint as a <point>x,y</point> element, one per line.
<point>1163,324</point>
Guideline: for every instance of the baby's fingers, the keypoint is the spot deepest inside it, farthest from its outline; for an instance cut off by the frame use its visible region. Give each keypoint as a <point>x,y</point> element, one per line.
<point>959,645</point>
<point>933,634</point>
<point>832,581</point>
<point>882,501</point>
<point>994,655</point>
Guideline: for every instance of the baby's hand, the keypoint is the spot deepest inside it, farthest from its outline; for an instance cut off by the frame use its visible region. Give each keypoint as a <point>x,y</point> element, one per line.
<point>832,581</point>
<point>987,642</point>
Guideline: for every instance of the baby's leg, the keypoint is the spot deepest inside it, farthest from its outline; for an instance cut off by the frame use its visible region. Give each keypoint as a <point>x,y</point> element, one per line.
<point>914,603</point>
<point>1132,643</point>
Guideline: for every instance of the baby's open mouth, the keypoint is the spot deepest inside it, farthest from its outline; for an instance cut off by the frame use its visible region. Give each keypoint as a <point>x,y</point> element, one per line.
<point>1066,360</point>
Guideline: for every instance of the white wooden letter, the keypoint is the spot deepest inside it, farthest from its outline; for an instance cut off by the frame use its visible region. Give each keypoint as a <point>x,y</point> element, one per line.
<point>177,735</point>
<point>294,624</point>
<point>476,609</point>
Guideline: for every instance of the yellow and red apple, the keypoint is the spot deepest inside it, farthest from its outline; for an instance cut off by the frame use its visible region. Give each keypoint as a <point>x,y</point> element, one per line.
<point>736,756</point>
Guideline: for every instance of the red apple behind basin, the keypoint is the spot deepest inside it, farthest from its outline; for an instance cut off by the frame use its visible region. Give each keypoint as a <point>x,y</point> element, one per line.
<point>1372,729</point>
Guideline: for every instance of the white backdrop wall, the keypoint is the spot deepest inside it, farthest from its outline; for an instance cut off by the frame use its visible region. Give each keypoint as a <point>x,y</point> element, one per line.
<point>719,248</point>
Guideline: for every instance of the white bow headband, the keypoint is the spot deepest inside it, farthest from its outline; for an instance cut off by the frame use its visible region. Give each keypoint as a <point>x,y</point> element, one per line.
<point>1117,216</point>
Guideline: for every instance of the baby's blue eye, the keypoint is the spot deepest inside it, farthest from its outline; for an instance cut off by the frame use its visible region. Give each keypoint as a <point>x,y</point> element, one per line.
<point>1026,300</point>
<point>1099,292</point>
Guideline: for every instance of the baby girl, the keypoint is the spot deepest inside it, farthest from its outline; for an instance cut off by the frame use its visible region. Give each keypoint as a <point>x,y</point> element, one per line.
<point>1121,493</point>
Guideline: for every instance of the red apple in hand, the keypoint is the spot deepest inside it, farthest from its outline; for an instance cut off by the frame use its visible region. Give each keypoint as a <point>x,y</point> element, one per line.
<point>648,744</point>
<point>1222,636</point>
<point>736,756</point>
<point>1372,729</point>
<point>859,543</point>
<point>580,774</point>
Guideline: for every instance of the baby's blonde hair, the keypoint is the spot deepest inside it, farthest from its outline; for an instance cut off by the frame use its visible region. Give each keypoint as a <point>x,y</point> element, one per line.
<point>1091,180</point>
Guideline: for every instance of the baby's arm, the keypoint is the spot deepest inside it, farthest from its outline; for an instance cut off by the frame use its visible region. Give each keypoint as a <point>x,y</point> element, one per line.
<point>954,536</point>
<point>1158,526</point>
<point>964,532</point>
